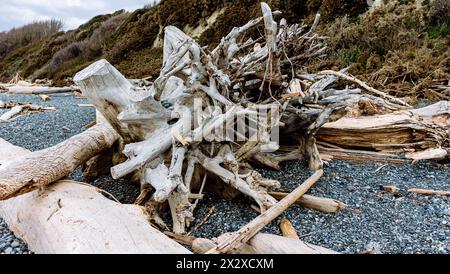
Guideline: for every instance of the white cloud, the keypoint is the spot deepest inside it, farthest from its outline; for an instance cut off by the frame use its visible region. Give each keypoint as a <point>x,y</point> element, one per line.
<point>16,13</point>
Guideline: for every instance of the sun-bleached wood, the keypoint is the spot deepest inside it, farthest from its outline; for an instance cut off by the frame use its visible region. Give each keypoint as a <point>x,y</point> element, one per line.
<point>264,244</point>
<point>70,217</point>
<point>325,205</point>
<point>288,230</point>
<point>19,109</point>
<point>41,168</point>
<point>201,94</point>
<point>406,129</point>
<point>429,191</point>
<point>243,235</point>
<point>39,90</point>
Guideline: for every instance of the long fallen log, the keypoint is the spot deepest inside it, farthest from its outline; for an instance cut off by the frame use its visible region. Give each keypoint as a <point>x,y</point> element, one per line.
<point>429,191</point>
<point>11,113</point>
<point>264,244</point>
<point>40,168</point>
<point>39,90</point>
<point>365,86</point>
<point>73,218</point>
<point>325,205</point>
<point>235,240</point>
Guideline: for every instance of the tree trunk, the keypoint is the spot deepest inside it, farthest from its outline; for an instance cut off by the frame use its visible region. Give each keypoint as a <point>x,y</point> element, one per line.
<point>40,168</point>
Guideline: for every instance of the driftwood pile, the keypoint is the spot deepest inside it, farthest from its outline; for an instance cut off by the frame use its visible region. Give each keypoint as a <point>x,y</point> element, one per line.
<point>201,126</point>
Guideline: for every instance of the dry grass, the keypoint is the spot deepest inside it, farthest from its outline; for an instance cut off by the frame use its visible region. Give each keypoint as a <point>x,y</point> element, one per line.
<point>392,49</point>
<point>28,34</point>
<point>79,53</point>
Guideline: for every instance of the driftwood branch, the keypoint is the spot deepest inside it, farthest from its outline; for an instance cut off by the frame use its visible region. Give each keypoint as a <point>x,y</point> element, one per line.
<point>325,205</point>
<point>429,191</point>
<point>251,229</point>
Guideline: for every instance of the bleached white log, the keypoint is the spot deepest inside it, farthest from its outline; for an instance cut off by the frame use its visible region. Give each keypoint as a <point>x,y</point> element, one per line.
<point>40,168</point>
<point>73,218</point>
<point>39,90</point>
<point>264,244</point>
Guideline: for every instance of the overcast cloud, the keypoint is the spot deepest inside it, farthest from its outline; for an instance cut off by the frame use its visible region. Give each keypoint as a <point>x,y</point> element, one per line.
<point>15,13</point>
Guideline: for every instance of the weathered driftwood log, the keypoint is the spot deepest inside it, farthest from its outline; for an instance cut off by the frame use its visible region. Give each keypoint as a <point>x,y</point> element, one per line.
<point>429,154</point>
<point>325,205</point>
<point>408,130</point>
<point>11,113</point>
<point>264,244</point>
<point>243,235</point>
<point>288,230</point>
<point>362,155</point>
<point>40,168</point>
<point>69,217</point>
<point>21,109</point>
<point>39,90</point>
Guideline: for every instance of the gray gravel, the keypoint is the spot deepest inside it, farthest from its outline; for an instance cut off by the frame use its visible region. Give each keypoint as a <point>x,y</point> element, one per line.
<point>376,220</point>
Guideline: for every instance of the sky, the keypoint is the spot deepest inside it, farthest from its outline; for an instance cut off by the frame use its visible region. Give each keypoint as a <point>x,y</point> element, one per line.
<point>16,13</point>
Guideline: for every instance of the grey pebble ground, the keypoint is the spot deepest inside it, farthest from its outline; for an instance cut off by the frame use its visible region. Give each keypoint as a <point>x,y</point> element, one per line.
<point>376,220</point>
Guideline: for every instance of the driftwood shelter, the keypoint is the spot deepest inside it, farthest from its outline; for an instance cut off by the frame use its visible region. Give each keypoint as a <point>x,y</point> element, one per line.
<point>210,116</point>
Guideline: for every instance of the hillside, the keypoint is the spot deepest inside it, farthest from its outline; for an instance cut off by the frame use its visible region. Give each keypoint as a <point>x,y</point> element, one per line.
<point>402,47</point>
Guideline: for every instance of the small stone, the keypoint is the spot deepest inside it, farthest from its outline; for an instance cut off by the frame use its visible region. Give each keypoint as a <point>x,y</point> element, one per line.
<point>15,244</point>
<point>436,200</point>
<point>9,250</point>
